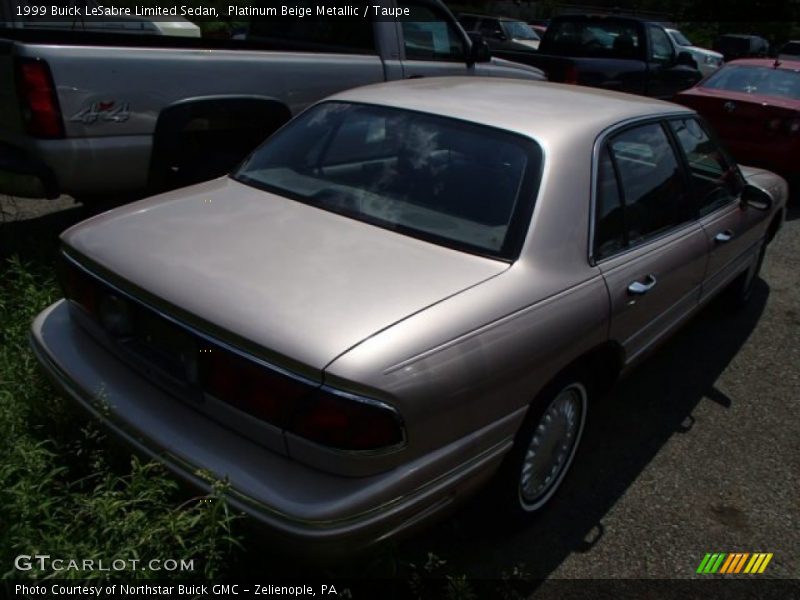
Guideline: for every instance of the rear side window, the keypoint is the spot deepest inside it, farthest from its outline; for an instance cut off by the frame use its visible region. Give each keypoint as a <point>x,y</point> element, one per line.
<point>318,34</point>
<point>715,181</point>
<point>640,190</point>
<point>609,235</point>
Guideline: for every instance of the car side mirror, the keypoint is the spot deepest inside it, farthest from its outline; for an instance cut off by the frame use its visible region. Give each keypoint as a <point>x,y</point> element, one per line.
<point>686,59</point>
<point>499,35</point>
<point>755,197</point>
<point>479,51</point>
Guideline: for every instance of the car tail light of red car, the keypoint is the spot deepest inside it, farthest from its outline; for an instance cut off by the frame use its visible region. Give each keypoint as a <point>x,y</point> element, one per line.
<point>790,126</point>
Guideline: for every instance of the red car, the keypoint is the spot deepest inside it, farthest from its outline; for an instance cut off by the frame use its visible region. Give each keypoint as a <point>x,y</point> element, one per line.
<point>754,106</point>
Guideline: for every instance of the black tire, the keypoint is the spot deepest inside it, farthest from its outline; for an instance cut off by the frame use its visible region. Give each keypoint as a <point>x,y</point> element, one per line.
<point>741,289</point>
<point>520,490</point>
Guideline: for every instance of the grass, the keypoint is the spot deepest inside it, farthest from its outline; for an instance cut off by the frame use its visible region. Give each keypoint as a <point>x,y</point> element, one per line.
<point>67,491</point>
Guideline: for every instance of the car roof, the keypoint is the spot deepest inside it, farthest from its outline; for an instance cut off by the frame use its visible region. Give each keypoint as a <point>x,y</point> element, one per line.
<point>541,110</point>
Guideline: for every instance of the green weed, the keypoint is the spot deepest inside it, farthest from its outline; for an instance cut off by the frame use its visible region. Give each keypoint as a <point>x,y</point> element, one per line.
<point>67,492</point>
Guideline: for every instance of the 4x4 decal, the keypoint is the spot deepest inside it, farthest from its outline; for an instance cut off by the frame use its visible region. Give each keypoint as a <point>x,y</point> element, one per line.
<point>107,111</point>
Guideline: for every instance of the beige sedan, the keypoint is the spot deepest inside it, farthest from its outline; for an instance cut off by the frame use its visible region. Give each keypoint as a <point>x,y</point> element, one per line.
<point>408,290</point>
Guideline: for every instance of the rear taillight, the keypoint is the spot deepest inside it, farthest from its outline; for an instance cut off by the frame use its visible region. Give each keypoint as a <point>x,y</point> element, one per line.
<point>319,414</point>
<point>324,416</point>
<point>38,97</point>
<point>571,74</point>
<point>348,422</point>
<point>258,390</point>
<point>77,285</point>
<point>778,125</point>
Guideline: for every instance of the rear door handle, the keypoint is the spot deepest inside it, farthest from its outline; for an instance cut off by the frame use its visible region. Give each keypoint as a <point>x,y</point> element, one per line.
<point>723,236</point>
<point>639,288</point>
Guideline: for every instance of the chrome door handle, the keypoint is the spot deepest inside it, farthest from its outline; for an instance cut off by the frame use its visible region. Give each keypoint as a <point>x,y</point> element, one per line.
<point>723,236</point>
<point>638,288</point>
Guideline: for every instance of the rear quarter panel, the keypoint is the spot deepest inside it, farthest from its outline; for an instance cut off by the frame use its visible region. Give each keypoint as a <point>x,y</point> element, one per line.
<point>486,352</point>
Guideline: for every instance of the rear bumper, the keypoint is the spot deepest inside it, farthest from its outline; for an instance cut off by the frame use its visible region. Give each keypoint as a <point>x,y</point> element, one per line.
<point>23,175</point>
<point>305,511</point>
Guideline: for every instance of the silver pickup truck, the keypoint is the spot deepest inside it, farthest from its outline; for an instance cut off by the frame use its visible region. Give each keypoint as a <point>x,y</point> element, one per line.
<point>96,115</point>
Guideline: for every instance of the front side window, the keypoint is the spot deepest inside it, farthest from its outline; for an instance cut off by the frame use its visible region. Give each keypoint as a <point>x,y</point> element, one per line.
<point>458,184</point>
<point>660,46</point>
<point>430,36</point>
<point>651,189</point>
<point>715,181</point>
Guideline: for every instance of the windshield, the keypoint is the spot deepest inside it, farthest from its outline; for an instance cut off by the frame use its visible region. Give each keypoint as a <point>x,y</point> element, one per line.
<point>679,38</point>
<point>458,184</point>
<point>517,30</point>
<point>765,81</point>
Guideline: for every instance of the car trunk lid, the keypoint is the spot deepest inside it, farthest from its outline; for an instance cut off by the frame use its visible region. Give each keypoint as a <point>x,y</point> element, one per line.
<point>296,284</point>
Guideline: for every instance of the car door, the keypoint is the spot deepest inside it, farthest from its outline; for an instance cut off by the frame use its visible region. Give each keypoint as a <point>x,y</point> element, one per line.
<point>432,44</point>
<point>649,247</point>
<point>732,235</point>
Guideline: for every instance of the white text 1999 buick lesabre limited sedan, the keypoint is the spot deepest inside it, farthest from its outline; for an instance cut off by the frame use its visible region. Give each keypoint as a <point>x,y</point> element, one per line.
<point>409,289</point>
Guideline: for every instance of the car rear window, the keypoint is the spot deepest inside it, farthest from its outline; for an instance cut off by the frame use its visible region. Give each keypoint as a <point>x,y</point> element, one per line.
<point>458,184</point>
<point>766,81</point>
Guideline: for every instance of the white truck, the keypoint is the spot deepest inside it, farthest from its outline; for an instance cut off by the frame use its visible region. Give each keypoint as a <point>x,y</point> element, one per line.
<point>101,115</point>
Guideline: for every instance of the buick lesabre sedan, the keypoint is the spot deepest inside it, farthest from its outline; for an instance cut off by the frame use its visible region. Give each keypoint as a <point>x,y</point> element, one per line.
<point>403,293</point>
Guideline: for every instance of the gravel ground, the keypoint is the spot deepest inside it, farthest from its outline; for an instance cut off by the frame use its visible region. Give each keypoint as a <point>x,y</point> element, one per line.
<point>697,451</point>
<point>22,209</point>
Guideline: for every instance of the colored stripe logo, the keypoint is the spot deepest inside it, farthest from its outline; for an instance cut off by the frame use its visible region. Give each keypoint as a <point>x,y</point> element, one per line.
<point>734,563</point>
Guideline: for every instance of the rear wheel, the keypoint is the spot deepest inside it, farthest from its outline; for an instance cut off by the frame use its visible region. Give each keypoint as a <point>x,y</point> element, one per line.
<point>545,447</point>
